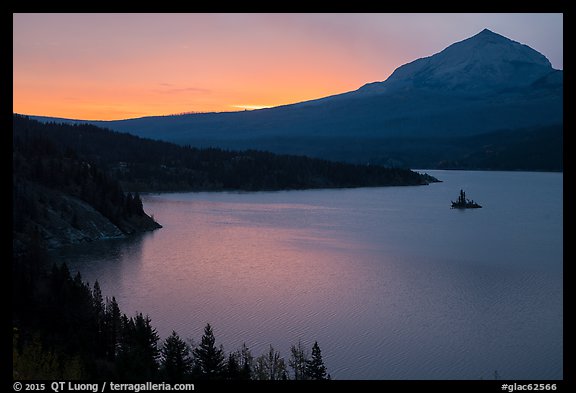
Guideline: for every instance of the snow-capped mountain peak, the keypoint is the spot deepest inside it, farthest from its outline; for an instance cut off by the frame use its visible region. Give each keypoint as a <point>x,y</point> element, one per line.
<point>484,62</point>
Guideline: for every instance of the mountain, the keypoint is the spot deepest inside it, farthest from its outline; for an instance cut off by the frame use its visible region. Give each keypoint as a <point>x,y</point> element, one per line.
<point>484,84</point>
<point>487,62</point>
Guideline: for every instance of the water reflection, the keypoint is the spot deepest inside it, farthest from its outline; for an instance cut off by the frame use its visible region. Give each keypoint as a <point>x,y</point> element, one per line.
<point>112,260</point>
<point>391,282</point>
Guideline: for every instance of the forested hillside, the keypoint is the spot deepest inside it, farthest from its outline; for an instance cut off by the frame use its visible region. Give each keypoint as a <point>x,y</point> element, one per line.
<point>146,165</point>
<point>60,198</point>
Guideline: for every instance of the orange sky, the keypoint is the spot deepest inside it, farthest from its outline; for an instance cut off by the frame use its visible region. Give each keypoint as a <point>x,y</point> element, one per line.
<point>116,66</point>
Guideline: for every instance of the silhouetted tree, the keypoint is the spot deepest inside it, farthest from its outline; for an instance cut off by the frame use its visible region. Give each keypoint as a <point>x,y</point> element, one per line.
<point>270,366</point>
<point>315,368</point>
<point>209,360</point>
<point>98,302</point>
<point>176,362</point>
<point>99,311</point>
<point>129,204</point>
<point>113,331</point>
<point>138,355</point>
<point>246,361</point>
<point>138,207</point>
<point>240,364</point>
<point>298,360</point>
<point>232,367</point>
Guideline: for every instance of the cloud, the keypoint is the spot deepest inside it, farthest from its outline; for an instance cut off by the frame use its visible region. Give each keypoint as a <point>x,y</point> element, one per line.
<point>172,89</point>
<point>251,107</point>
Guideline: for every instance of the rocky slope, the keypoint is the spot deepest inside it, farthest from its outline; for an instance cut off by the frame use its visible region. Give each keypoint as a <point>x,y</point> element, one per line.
<point>58,198</point>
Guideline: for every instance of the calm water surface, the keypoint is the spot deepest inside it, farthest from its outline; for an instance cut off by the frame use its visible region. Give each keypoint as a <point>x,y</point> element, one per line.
<point>391,282</point>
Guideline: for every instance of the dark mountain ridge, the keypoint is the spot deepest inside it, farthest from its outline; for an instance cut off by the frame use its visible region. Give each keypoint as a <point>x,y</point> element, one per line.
<point>141,164</point>
<point>483,84</point>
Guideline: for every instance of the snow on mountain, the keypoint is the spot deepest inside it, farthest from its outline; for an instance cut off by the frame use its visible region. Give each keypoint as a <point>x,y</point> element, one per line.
<point>484,62</point>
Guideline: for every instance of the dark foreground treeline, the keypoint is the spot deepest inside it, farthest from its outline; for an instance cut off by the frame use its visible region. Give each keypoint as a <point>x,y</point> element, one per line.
<point>63,328</point>
<point>148,165</point>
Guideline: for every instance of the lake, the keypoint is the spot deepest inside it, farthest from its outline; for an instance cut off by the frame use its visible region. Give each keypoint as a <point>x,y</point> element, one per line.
<point>391,282</point>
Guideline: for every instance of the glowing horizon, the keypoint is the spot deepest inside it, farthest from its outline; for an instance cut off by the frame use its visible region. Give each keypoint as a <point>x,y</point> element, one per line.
<point>119,66</point>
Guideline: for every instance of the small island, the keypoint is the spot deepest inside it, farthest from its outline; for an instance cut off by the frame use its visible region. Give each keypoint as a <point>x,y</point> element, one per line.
<point>463,203</point>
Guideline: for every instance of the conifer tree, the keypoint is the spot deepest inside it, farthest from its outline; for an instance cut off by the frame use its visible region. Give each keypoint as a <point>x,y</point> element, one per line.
<point>113,326</point>
<point>99,316</point>
<point>175,358</point>
<point>138,355</point>
<point>209,360</point>
<point>315,368</point>
<point>138,205</point>
<point>98,302</point>
<point>233,370</point>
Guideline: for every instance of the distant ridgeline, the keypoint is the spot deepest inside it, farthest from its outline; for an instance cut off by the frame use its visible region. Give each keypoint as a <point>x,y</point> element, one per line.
<point>147,165</point>
<point>484,103</point>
